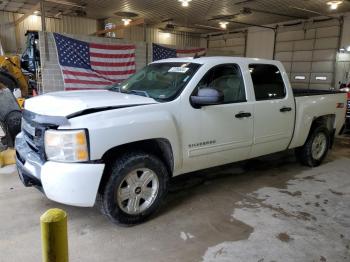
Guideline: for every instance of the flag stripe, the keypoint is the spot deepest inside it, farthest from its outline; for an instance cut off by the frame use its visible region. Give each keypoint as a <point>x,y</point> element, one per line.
<point>112,64</point>
<point>100,55</point>
<point>128,72</point>
<point>114,69</point>
<point>111,47</point>
<point>128,51</point>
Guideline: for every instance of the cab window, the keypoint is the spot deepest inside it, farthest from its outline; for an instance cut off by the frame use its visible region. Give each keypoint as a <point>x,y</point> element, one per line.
<point>267,81</point>
<point>227,79</point>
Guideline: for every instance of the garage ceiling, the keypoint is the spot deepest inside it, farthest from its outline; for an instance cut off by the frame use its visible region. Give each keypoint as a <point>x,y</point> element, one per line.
<point>198,11</point>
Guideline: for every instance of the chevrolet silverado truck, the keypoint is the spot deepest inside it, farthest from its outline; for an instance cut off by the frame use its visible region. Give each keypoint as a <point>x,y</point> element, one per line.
<point>119,147</point>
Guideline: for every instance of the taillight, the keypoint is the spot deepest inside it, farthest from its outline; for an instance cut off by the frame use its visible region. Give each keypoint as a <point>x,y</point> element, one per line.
<point>340,105</point>
<point>348,95</point>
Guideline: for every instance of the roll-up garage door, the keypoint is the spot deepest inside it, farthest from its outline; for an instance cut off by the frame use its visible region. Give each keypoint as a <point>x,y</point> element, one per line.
<point>308,52</point>
<point>227,44</point>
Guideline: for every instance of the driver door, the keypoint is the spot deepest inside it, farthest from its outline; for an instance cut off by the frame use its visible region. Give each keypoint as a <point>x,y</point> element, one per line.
<point>223,133</point>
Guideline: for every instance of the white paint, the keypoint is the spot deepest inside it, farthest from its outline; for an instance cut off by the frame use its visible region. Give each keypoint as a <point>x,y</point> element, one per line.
<point>217,136</point>
<point>186,236</point>
<point>2,132</point>
<point>326,236</point>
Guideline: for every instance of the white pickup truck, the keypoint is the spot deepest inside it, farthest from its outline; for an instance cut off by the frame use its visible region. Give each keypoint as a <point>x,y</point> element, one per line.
<point>119,147</point>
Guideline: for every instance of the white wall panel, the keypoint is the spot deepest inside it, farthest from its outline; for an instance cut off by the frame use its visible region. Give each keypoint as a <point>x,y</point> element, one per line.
<point>332,31</point>
<point>327,43</point>
<point>324,66</point>
<point>284,46</point>
<point>301,67</point>
<point>287,66</point>
<point>302,56</point>
<point>229,44</point>
<point>260,44</point>
<point>303,45</point>
<point>284,56</point>
<point>290,36</point>
<point>324,55</point>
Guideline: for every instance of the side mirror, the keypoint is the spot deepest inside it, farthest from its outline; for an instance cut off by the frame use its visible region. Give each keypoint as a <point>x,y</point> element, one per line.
<point>207,96</point>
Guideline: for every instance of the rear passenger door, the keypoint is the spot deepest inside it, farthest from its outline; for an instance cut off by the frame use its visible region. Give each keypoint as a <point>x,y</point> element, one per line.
<point>274,110</point>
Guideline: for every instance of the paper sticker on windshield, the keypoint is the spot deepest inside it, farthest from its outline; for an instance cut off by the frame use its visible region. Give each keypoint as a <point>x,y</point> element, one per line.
<point>181,70</point>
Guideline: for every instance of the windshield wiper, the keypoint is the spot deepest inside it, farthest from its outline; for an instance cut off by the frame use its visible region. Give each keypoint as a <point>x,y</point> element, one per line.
<point>115,89</point>
<point>139,92</point>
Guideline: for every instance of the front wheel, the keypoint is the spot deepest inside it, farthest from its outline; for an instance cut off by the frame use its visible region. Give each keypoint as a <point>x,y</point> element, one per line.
<point>313,152</point>
<point>135,189</point>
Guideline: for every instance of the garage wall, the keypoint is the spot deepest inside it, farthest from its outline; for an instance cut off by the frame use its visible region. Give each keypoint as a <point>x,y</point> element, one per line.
<point>13,39</point>
<point>308,52</point>
<point>154,35</point>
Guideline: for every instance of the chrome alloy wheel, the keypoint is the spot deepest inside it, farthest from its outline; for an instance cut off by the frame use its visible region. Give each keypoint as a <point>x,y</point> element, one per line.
<point>138,190</point>
<point>319,146</point>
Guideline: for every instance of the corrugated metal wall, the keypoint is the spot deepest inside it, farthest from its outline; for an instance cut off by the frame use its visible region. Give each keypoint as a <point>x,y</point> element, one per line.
<point>13,39</point>
<point>7,32</point>
<point>154,35</point>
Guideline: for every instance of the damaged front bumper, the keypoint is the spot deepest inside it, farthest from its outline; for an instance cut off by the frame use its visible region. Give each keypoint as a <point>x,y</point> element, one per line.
<point>68,183</point>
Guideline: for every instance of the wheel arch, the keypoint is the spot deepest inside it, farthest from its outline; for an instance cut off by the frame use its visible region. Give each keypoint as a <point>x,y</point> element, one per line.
<point>159,147</point>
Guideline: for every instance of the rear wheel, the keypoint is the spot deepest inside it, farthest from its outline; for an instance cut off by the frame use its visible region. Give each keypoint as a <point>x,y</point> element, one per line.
<point>316,147</point>
<point>135,189</point>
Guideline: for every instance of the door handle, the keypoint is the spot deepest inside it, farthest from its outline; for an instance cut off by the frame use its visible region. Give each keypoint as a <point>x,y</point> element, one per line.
<point>243,114</point>
<point>285,109</point>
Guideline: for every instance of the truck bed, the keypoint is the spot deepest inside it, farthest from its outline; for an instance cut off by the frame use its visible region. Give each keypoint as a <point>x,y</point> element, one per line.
<point>312,92</point>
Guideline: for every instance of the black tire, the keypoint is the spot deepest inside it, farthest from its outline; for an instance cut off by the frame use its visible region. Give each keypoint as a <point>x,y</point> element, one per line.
<point>13,126</point>
<point>304,153</point>
<point>116,173</point>
<point>8,82</point>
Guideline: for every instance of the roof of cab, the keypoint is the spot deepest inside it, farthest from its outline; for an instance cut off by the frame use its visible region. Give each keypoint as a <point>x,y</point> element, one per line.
<point>216,59</point>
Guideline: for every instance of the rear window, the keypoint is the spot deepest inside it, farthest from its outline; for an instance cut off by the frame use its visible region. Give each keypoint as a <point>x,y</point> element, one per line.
<point>268,82</point>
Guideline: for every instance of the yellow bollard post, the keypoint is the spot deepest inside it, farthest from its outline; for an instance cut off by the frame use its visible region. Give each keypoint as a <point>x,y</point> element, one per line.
<point>54,236</point>
<point>1,160</point>
<point>9,156</point>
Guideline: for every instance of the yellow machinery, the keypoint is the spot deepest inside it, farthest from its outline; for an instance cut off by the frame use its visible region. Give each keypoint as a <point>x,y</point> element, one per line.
<point>11,74</point>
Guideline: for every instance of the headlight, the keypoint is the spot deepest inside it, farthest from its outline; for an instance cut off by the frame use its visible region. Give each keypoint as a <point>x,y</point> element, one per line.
<point>66,145</point>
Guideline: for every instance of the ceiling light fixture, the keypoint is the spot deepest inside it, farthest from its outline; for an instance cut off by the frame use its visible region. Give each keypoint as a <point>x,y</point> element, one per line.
<point>126,21</point>
<point>334,4</point>
<point>184,3</point>
<point>36,12</point>
<point>223,25</point>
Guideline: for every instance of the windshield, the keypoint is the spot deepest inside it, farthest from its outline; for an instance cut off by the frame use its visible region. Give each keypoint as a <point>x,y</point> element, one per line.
<point>161,81</point>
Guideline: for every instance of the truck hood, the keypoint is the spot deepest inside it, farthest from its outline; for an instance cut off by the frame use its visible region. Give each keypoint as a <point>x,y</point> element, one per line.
<point>73,102</point>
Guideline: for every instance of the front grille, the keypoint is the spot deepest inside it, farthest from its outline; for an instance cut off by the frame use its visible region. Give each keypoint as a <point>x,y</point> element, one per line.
<point>348,110</point>
<point>34,136</point>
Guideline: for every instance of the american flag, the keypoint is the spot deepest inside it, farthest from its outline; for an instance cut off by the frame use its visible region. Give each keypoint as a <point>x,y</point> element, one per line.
<point>161,52</point>
<point>92,66</point>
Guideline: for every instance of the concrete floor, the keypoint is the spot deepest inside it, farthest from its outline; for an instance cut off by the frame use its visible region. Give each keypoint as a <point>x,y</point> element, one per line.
<point>270,209</point>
